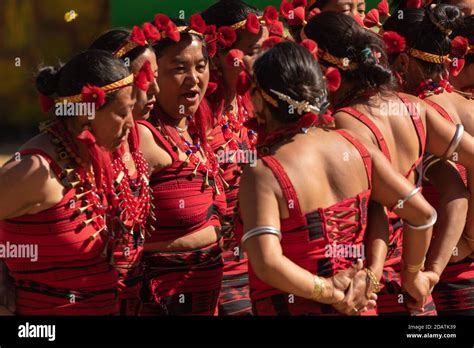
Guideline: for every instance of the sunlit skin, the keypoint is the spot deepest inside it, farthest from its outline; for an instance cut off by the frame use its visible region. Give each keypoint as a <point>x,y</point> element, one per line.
<point>29,186</point>
<point>349,7</point>
<point>183,75</point>
<point>263,204</point>
<point>145,100</point>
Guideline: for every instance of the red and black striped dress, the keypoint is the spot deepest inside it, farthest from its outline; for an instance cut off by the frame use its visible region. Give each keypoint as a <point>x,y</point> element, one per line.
<point>454,294</point>
<point>234,298</point>
<point>131,222</point>
<point>390,298</point>
<point>182,282</point>
<point>72,275</point>
<point>305,240</point>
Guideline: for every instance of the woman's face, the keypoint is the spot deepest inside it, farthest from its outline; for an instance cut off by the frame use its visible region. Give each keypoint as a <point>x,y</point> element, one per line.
<point>112,124</point>
<point>183,76</point>
<point>250,44</point>
<point>349,7</point>
<point>145,100</point>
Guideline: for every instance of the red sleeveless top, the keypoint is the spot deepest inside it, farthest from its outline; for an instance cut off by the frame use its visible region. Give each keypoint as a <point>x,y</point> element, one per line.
<point>182,206</point>
<point>71,275</point>
<point>314,240</point>
<point>396,224</point>
<point>429,191</point>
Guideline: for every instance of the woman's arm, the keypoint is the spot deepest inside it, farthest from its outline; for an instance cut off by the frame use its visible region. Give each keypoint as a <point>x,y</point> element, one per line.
<point>23,185</point>
<point>259,207</point>
<point>452,213</point>
<point>394,191</point>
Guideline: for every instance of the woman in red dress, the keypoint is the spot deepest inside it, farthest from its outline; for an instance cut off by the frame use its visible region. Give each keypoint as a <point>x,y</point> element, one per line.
<point>366,97</point>
<point>183,252</point>
<point>428,79</point>
<point>304,205</point>
<point>57,192</point>
<point>131,172</point>
<point>232,141</point>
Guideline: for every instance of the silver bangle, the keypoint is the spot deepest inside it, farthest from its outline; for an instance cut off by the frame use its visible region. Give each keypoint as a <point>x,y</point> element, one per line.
<point>455,141</point>
<point>427,163</point>
<point>260,230</point>
<point>434,217</point>
<point>410,195</point>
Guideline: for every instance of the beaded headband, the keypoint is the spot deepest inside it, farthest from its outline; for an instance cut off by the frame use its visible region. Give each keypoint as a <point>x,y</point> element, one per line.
<point>428,57</point>
<point>137,38</point>
<point>341,63</point>
<point>97,92</point>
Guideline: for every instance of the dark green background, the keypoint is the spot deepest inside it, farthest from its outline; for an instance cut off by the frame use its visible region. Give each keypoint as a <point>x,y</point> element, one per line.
<point>128,13</point>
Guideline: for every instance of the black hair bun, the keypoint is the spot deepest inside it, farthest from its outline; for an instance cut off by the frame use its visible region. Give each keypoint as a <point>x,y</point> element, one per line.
<point>445,17</point>
<point>47,80</point>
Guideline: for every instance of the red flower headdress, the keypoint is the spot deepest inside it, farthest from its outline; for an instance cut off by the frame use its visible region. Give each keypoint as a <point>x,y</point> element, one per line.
<point>144,76</point>
<point>89,94</point>
<point>459,49</point>
<point>137,38</point>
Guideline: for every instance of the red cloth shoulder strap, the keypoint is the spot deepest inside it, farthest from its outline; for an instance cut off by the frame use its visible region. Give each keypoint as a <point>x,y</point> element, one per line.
<point>287,187</point>
<point>161,139</point>
<point>440,110</point>
<point>58,171</point>
<point>420,130</point>
<point>364,153</point>
<point>371,125</point>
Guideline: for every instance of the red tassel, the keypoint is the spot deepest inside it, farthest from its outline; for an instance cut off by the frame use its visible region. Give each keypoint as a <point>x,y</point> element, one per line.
<point>227,36</point>
<point>333,79</point>
<point>285,8</point>
<point>314,12</point>
<point>359,20</point>
<point>271,41</point>
<point>243,83</point>
<point>312,47</point>
<point>141,81</point>
<point>171,32</point>
<point>372,19</point>
<point>270,15</point>
<point>162,21</point>
<point>197,23</point>
<point>100,160</point>
<point>46,103</point>
<point>459,46</point>
<point>211,88</point>
<point>276,29</point>
<point>253,24</point>
<point>151,33</point>
<point>394,42</point>
<point>137,36</point>
<point>307,120</point>
<point>212,49</point>
<point>93,94</point>
<point>456,66</point>
<point>146,68</point>
<point>383,8</point>
<point>233,57</point>
<point>299,16</point>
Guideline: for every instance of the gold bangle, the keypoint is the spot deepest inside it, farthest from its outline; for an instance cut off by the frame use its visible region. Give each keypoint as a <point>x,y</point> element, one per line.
<point>414,268</point>
<point>469,239</point>
<point>318,288</point>
<point>373,279</point>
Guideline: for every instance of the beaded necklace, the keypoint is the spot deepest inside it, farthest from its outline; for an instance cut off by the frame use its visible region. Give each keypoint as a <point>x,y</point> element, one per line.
<point>90,198</point>
<point>132,197</point>
<point>429,87</point>
<point>209,166</point>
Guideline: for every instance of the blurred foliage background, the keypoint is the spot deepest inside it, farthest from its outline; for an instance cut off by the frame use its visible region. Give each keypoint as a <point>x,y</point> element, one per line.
<point>35,33</point>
